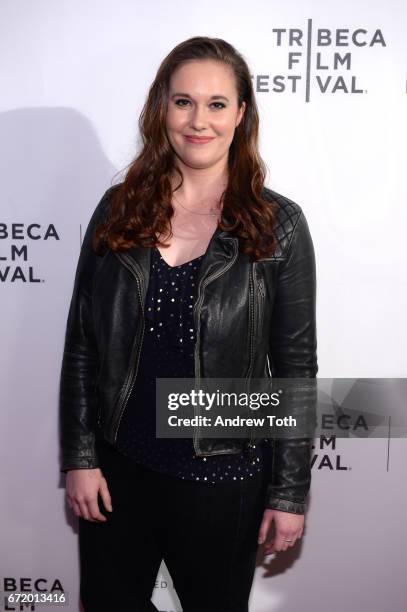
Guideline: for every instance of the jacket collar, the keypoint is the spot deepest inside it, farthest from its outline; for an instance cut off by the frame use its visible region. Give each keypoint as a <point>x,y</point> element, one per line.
<point>221,248</point>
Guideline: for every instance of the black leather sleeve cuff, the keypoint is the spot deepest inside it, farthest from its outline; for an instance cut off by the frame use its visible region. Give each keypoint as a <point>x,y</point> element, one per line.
<point>285,505</point>
<point>79,462</point>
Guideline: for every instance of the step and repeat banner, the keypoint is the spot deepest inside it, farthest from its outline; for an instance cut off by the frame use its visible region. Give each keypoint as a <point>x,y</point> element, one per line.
<point>330,81</point>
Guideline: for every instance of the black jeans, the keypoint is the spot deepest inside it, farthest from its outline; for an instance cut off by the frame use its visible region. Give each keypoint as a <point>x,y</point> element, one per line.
<point>206,534</point>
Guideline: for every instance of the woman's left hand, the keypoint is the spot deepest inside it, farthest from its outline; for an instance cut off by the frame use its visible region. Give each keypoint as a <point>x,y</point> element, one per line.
<point>288,526</point>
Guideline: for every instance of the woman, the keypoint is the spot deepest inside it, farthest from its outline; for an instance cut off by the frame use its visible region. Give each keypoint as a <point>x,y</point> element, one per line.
<point>190,267</point>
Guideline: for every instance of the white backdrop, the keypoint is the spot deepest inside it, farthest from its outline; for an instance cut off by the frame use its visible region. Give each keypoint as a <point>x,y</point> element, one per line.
<point>74,76</point>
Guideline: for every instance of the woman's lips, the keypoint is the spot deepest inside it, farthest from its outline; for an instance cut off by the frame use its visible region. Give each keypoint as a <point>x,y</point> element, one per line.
<point>194,140</point>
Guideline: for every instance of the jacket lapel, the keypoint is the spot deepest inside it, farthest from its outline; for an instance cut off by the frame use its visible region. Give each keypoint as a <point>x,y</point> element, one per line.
<point>221,248</point>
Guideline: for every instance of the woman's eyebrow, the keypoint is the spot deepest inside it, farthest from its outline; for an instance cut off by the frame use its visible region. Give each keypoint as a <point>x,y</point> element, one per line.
<point>185,95</point>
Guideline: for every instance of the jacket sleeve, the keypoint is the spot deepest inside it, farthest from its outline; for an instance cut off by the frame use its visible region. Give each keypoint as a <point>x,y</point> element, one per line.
<point>78,402</point>
<point>293,354</point>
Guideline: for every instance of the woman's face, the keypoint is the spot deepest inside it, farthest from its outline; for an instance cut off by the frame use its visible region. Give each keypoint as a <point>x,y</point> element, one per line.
<point>202,103</point>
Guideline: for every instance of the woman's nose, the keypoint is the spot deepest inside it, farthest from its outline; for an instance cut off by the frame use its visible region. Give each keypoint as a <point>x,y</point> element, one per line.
<point>199,118</point>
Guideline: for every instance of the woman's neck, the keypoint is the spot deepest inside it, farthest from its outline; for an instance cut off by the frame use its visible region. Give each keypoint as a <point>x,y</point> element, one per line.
<point>200,191</point>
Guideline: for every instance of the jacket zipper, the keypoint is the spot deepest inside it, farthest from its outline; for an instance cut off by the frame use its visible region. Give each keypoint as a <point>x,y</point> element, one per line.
<point>261,296</point>
<point>260,315</point>
<point>196,310</point>
<point>136,348</point>
<point>251,443</point>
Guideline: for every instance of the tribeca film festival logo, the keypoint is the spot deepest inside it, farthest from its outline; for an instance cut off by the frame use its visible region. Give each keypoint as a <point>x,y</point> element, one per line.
<point>319,59</point>
<point>322,460</point>
<point>14,262</point>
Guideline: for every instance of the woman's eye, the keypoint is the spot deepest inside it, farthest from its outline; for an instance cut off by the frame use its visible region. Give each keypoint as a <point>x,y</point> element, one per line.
<point>181,100</point>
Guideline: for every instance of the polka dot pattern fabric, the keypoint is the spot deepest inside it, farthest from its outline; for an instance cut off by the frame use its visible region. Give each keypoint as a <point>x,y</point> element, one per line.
<point>167,352</point>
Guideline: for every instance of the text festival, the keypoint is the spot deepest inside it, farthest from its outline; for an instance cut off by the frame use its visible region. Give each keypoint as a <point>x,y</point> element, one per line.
<point>18,252</point>
<point>322,57</point>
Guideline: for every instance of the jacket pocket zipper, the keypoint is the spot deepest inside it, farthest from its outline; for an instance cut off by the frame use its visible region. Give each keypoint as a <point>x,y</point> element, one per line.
<point>261,295</point>
<point>251,444</point>
<point>196,310</point>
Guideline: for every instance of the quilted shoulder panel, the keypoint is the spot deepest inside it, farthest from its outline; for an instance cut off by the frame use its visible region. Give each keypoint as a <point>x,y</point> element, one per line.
<point>287,216</point>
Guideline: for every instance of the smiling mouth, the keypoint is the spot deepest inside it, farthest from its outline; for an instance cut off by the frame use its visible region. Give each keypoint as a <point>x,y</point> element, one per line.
<point>198,140</point>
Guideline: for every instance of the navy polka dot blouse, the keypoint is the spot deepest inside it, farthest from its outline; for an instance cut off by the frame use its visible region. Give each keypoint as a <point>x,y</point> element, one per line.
<point>168,351</point>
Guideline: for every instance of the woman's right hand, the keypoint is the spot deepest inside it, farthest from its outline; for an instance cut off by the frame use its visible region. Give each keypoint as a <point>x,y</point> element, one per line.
<point>82,489</point>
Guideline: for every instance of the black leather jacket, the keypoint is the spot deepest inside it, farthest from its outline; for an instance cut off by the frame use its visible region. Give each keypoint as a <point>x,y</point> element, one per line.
<point>252,320</point>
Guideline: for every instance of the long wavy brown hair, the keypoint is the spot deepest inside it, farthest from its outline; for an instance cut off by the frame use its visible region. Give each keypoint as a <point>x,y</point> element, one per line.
<point>140,208</point>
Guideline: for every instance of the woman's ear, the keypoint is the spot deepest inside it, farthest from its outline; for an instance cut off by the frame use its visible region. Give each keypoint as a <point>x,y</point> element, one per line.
<point>240,113</point>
